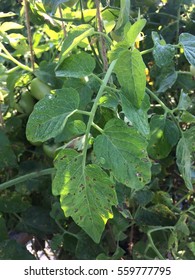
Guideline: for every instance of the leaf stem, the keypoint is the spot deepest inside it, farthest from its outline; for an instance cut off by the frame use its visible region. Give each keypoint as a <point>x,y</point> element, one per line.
<point>7,55</point>
<point>26,177</point>
<point>97,127</point>
<point>94,108</point>
<point>146,51</point>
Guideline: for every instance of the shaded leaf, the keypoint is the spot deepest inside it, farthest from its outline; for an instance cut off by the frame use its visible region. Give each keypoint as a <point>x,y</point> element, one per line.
<point>86,193</point>
<point>50,114</point>
<point>7,156</point>
<point>156,215</point>
<point>184,101</point>
<point>122,150</point>
<point>164,136</point>
<point>167,78</point>
<point>163,53</point>
<point>137,117</point>
<point>184,151</point>
<point>11,250</point>
<point>188,43</point>
<point>130,71</point>
<point>76,66</point>
<point>3,229</point>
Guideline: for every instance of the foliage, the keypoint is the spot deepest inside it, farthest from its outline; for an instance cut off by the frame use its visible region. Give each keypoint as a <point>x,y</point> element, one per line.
<point>97,130</point>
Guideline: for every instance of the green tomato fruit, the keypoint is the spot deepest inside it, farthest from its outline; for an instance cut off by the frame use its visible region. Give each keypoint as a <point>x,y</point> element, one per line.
<point>192,69</point>
<point>25,104</point>
<point>71,3</point>
<point>50,149</point>
<point>39,89</point>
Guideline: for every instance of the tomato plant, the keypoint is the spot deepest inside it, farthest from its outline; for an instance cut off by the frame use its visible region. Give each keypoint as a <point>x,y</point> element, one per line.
<point>122,112</point>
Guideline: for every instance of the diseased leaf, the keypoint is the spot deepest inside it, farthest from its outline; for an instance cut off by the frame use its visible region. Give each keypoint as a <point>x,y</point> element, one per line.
<point>137,117</point>
<point>184,152</point>
<point>130,71</point>
<point>86,193</point>
<point>50,115</point>
<point>163,53</point>
<point>164,136</point>
<point>188,43</point>
<point>76,66</point>
<point>122,150</point>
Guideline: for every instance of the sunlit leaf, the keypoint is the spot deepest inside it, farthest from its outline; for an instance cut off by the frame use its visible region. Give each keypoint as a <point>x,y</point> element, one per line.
<point>130,71</point>
<point>86,193</point>
<point>50,114</point>
<point>122,150</point>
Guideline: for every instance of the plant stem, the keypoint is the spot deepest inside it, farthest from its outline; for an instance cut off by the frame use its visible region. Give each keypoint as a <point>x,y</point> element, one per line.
<point>26,177</point>
<point>26,10</point>
<point>63,25</point>
<point>83,112</point>
<point>7,55</point>
<point>166,109</point>
<point>94,108</point>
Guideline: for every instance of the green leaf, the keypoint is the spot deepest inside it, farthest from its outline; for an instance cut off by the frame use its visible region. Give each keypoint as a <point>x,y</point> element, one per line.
<point>130,34</point>
<point>86,193</point>
<point>184,151</point>
<point>156,215</point>
<point>13,203</point>
<point>7,156</point>
<point>184,101</point>
<point>167,78</point>
<point>164,136</point>
<point>163,53</point>
<point>188,43</point>
<point>134,31</point>
<point>51,5</point>
<point>11,250</point>
<point>122,150</point>
<point>187,117</point>
<point>76,66</point>
<point>123,18</point>
<point>137,117</point>
<point>130,71</point>
<point>3,229</point>
<point>75,36</point>
<point>50,115</point>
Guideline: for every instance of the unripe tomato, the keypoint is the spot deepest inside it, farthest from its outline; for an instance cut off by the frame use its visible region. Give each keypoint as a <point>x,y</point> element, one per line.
<point>192,70</point>
<point>25,104</point>
<point>39,89</point>
<point>50,149</point>
<point>71,3</point>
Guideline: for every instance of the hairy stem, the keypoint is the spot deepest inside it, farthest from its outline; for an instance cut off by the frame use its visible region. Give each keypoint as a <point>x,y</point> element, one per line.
<point>26,177</point>
<point>8,56</point>
<point>94,108</point>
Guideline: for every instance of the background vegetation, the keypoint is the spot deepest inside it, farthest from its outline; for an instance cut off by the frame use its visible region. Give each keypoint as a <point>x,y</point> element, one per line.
<point>97,135</point>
